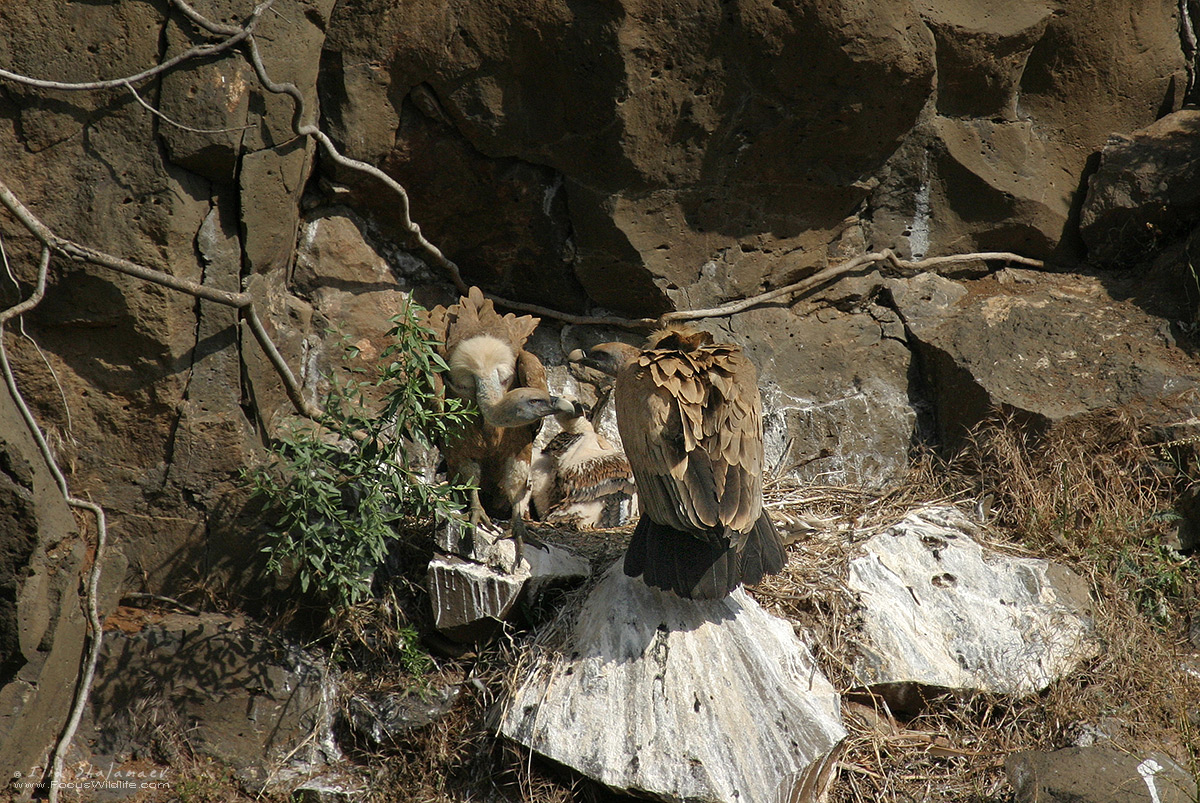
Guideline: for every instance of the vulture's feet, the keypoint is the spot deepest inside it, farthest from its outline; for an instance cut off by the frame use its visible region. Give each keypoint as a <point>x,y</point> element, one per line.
<point>477,517</point>
<point>520,535</point>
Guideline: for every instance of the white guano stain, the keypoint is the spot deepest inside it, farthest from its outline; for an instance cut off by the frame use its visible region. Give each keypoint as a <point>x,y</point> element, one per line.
<point>1148,769</point>
<point>918,228</point>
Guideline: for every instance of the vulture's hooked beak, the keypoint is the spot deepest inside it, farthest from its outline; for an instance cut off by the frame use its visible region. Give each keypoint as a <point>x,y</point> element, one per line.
<point>567,407</point>
<point>607,358</point>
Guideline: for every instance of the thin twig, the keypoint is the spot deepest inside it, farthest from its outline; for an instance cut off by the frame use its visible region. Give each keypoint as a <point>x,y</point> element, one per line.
<point>169,121</point>
<point>290,384</point>
<point>236,35</point>
<point>41,354</point>
<point>240,301</point>
<point>81,253</point>
<point>39,290</point>
<point>93,593</point>
<point>139,595</point>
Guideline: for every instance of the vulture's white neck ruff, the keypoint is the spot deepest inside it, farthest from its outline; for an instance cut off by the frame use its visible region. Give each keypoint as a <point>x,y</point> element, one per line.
<point>482,367</point>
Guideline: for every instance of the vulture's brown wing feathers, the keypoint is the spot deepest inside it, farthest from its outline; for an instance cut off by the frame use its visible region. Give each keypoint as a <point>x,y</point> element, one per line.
<point>474,315</point>
<point>436,320</point>
<point>734,416</point>
<point>530,371</point>
<point>695,445</point>
<point>690,417</point>
<point>582,481</point>
<point>599,477</point>
<point>651,432</point>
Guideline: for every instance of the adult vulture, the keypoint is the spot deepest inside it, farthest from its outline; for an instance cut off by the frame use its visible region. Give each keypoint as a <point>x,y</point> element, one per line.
<point>690,417</point>
<point>490,367</point>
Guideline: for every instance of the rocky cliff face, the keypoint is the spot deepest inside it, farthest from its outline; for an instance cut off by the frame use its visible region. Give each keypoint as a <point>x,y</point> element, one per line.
<point>634,156</point>
<point>750,135</point>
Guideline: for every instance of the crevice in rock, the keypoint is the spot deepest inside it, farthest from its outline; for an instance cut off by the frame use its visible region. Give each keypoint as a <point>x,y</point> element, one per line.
<point>463,198</point>
<point>922,395</point>
<point>18,523</point>
<point>247,401</point>
<point>192,356</point>
<point>189,360</point>
<point>1071,250</point>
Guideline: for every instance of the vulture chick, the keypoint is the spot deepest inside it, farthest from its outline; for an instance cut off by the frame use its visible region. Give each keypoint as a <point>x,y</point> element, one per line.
<point>690,417</point>
<point>580,479</point>
<point>489,366</point>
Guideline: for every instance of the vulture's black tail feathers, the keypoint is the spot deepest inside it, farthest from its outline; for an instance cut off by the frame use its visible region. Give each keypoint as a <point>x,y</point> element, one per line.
<point>700,568</point>
<point>763,552</point>
<point>680,562</point>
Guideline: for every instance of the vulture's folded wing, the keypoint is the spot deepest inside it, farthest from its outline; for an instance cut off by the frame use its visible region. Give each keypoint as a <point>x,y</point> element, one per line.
<point>596,478</point>
<point>648,420</point>
<point>732,419</point>
<point>436,321</point>
<point>692,429</point>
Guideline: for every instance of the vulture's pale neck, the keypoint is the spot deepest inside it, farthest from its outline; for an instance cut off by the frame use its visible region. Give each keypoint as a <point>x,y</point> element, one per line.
<point>573,424</point>
<point>486,365</point>
<point>489,392</point>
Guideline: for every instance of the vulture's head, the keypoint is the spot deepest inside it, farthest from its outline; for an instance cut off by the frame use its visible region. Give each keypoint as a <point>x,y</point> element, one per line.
<point>607,358</point>
<point>678,338</point>
<point>522,406</point>
<point>573,418</point>
<point>482,369</point>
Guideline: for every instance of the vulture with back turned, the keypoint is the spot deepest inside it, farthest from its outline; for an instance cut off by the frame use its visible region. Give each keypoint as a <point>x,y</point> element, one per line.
<point>690,417</point>
<point>490,367</point>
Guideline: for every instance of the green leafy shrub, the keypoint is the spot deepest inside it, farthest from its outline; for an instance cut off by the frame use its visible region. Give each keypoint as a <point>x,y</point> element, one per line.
<point>337,488</point>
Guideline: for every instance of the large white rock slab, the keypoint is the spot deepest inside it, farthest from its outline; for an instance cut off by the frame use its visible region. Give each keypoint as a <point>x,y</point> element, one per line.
<point>939,610</point>
<point>712,700</point>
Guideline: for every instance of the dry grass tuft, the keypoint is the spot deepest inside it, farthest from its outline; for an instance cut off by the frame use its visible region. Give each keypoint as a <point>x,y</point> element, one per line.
<point>1091,481</point>
<point>1095,495</point>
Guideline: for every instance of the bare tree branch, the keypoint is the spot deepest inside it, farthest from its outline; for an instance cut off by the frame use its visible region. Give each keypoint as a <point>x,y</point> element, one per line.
<point>84,685</point>
<point>21,331</point>
<point>240,301</point>
<point>169,121</point>
<point>825,274</point>
<point>39,290</point>
<point>235,36</point>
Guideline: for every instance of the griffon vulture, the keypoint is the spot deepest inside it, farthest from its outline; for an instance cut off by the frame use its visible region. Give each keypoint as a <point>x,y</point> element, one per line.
<point>690,417</point>
<point>580,479</point>
<point>489,366</point>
